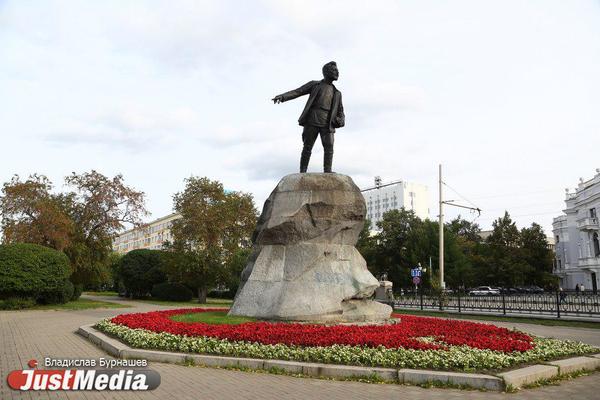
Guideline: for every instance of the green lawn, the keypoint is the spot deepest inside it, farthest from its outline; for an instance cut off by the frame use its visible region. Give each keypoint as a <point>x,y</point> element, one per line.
<point>107,293</point>
<point>523,320</point>
<point>192,303</point>
<point>213,317</point>
<point>79,304</point>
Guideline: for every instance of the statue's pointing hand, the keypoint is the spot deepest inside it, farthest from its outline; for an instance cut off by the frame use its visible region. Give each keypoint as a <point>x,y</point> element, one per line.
<point>277,99</point>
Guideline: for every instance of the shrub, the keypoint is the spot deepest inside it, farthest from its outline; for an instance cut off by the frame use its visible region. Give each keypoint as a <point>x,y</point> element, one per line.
<point>61,296</point>
<point>32,271</point>
<point>16,303</point>
<point>140,270</point>
<point>223,294</point>
<point>77,290</point>
<point>171,291</point>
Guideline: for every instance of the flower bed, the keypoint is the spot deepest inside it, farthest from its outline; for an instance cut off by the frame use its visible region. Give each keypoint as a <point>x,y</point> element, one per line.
<point>416,342</point>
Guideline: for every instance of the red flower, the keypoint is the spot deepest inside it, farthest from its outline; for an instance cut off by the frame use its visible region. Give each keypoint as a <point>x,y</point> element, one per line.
<point>405,334</point>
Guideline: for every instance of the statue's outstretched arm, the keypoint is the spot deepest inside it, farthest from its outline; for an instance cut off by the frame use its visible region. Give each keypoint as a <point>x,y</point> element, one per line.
<point>292,94</point>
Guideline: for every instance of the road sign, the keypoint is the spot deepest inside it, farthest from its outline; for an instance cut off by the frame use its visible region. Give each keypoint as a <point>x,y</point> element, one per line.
<point>416,280</point>
<point>415,272</point>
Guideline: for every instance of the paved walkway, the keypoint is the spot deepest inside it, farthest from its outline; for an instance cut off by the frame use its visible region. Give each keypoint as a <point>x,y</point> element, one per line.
<point>35,334</point>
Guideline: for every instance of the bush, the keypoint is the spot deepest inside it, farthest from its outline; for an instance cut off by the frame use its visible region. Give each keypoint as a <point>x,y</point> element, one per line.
<point>33,271</point>
<point>16,303</point>
<point>222,294</point>
<point>140,270</point>
<point>65,294</point>
<point>172,291</point>
<point>77,290</point>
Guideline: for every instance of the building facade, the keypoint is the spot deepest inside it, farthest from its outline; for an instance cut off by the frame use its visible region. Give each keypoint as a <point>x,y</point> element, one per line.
<point>148,236</point>
<point>394,196</point>
<point>576,235</point>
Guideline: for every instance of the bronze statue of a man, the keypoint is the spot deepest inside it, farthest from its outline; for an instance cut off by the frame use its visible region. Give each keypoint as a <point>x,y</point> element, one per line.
<point>322,113</point>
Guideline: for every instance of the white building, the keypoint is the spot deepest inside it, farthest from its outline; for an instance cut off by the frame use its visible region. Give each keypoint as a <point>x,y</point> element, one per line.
<point>149,236</point>
<point>394,196</point>
<point>576,235</point>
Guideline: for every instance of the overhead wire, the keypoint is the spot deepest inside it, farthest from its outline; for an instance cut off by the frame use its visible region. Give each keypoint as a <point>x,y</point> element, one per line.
<point>467,200</point>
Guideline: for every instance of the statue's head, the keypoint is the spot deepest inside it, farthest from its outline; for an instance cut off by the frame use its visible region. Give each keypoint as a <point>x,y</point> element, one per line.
<point>330,71</point>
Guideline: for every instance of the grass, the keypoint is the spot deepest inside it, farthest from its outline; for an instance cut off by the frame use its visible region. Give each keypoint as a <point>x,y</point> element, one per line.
<point>214,317</point>
<point>79,304</point>
<point>556,380</point>
<point>191,303</point>
<point>106,293</point>
<point>522,320</point>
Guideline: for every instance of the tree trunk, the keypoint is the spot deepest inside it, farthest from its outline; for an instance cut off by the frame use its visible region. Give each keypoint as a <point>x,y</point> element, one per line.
<point>202,292</point>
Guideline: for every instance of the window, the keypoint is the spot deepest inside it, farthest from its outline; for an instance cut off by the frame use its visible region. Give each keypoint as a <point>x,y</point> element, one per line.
<point>592,213</point>
<point>557,239</point>
<point>596,245</point>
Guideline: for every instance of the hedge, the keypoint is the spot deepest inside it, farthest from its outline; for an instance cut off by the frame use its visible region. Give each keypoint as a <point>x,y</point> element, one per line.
<point>140,270</point>
<point>33,271</point>
<point>172,292</point>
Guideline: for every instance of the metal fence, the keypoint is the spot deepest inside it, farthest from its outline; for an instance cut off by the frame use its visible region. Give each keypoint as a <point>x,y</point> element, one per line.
<point>554,304</point>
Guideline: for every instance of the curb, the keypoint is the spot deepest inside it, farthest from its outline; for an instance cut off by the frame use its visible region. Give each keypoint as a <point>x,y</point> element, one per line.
<point>575,364</point>
<point>515,378</point>
<point>524,376</point>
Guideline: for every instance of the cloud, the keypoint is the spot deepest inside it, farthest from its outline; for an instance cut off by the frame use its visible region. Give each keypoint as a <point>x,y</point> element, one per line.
<point>189,82</point>
<point>388,96</point>
<point>131,129</point>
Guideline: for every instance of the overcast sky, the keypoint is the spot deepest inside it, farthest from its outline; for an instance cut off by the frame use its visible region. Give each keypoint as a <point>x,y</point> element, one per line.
<point>505,94</point>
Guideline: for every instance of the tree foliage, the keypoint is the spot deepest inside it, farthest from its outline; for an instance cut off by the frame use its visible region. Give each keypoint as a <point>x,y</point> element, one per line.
<point>509,257</point>
<point>81,221</point>
<point>214,225</point>
<point>32,214</point>
<point>140,270</point>
<point>171,291</point>
<point>100,208</point>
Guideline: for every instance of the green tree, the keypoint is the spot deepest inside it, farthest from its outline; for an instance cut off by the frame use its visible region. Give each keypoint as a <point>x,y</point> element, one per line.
<point>504,232</point>
<point>505,264</point>
<point>398,246</point>
<point>214,224</point>
<point>140,270</point>
<point>367,246</point>
<point>234,270</point>
<point>100,207</point>
<point>465,229</point>
<point>31,213</point>
<point>536,252</point>
<point>467,237</point>
<point>81,222</point>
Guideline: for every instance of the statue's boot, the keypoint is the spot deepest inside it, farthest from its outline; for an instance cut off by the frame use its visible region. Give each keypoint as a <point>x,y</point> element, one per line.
<point>328,161</point>
<point>304,159</point>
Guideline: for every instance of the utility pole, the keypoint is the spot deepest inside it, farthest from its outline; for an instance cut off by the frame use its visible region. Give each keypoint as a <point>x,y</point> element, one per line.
<point>441,223</point>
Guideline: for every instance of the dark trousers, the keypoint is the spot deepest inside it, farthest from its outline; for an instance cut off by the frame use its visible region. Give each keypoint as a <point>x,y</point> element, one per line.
<point>309,136</point>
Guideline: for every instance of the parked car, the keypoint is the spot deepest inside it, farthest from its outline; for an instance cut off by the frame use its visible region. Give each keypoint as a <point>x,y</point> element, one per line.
<point>510,290</point>
<point>484,291</point>
<point>535,289</point>
<point>530,290</point>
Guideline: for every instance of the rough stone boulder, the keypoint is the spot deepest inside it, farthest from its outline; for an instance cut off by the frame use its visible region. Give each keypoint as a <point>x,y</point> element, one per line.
<point>304,265</point>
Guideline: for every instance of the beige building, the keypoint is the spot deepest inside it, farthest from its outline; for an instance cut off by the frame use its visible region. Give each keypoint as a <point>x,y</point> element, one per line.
<point>149,236</point>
